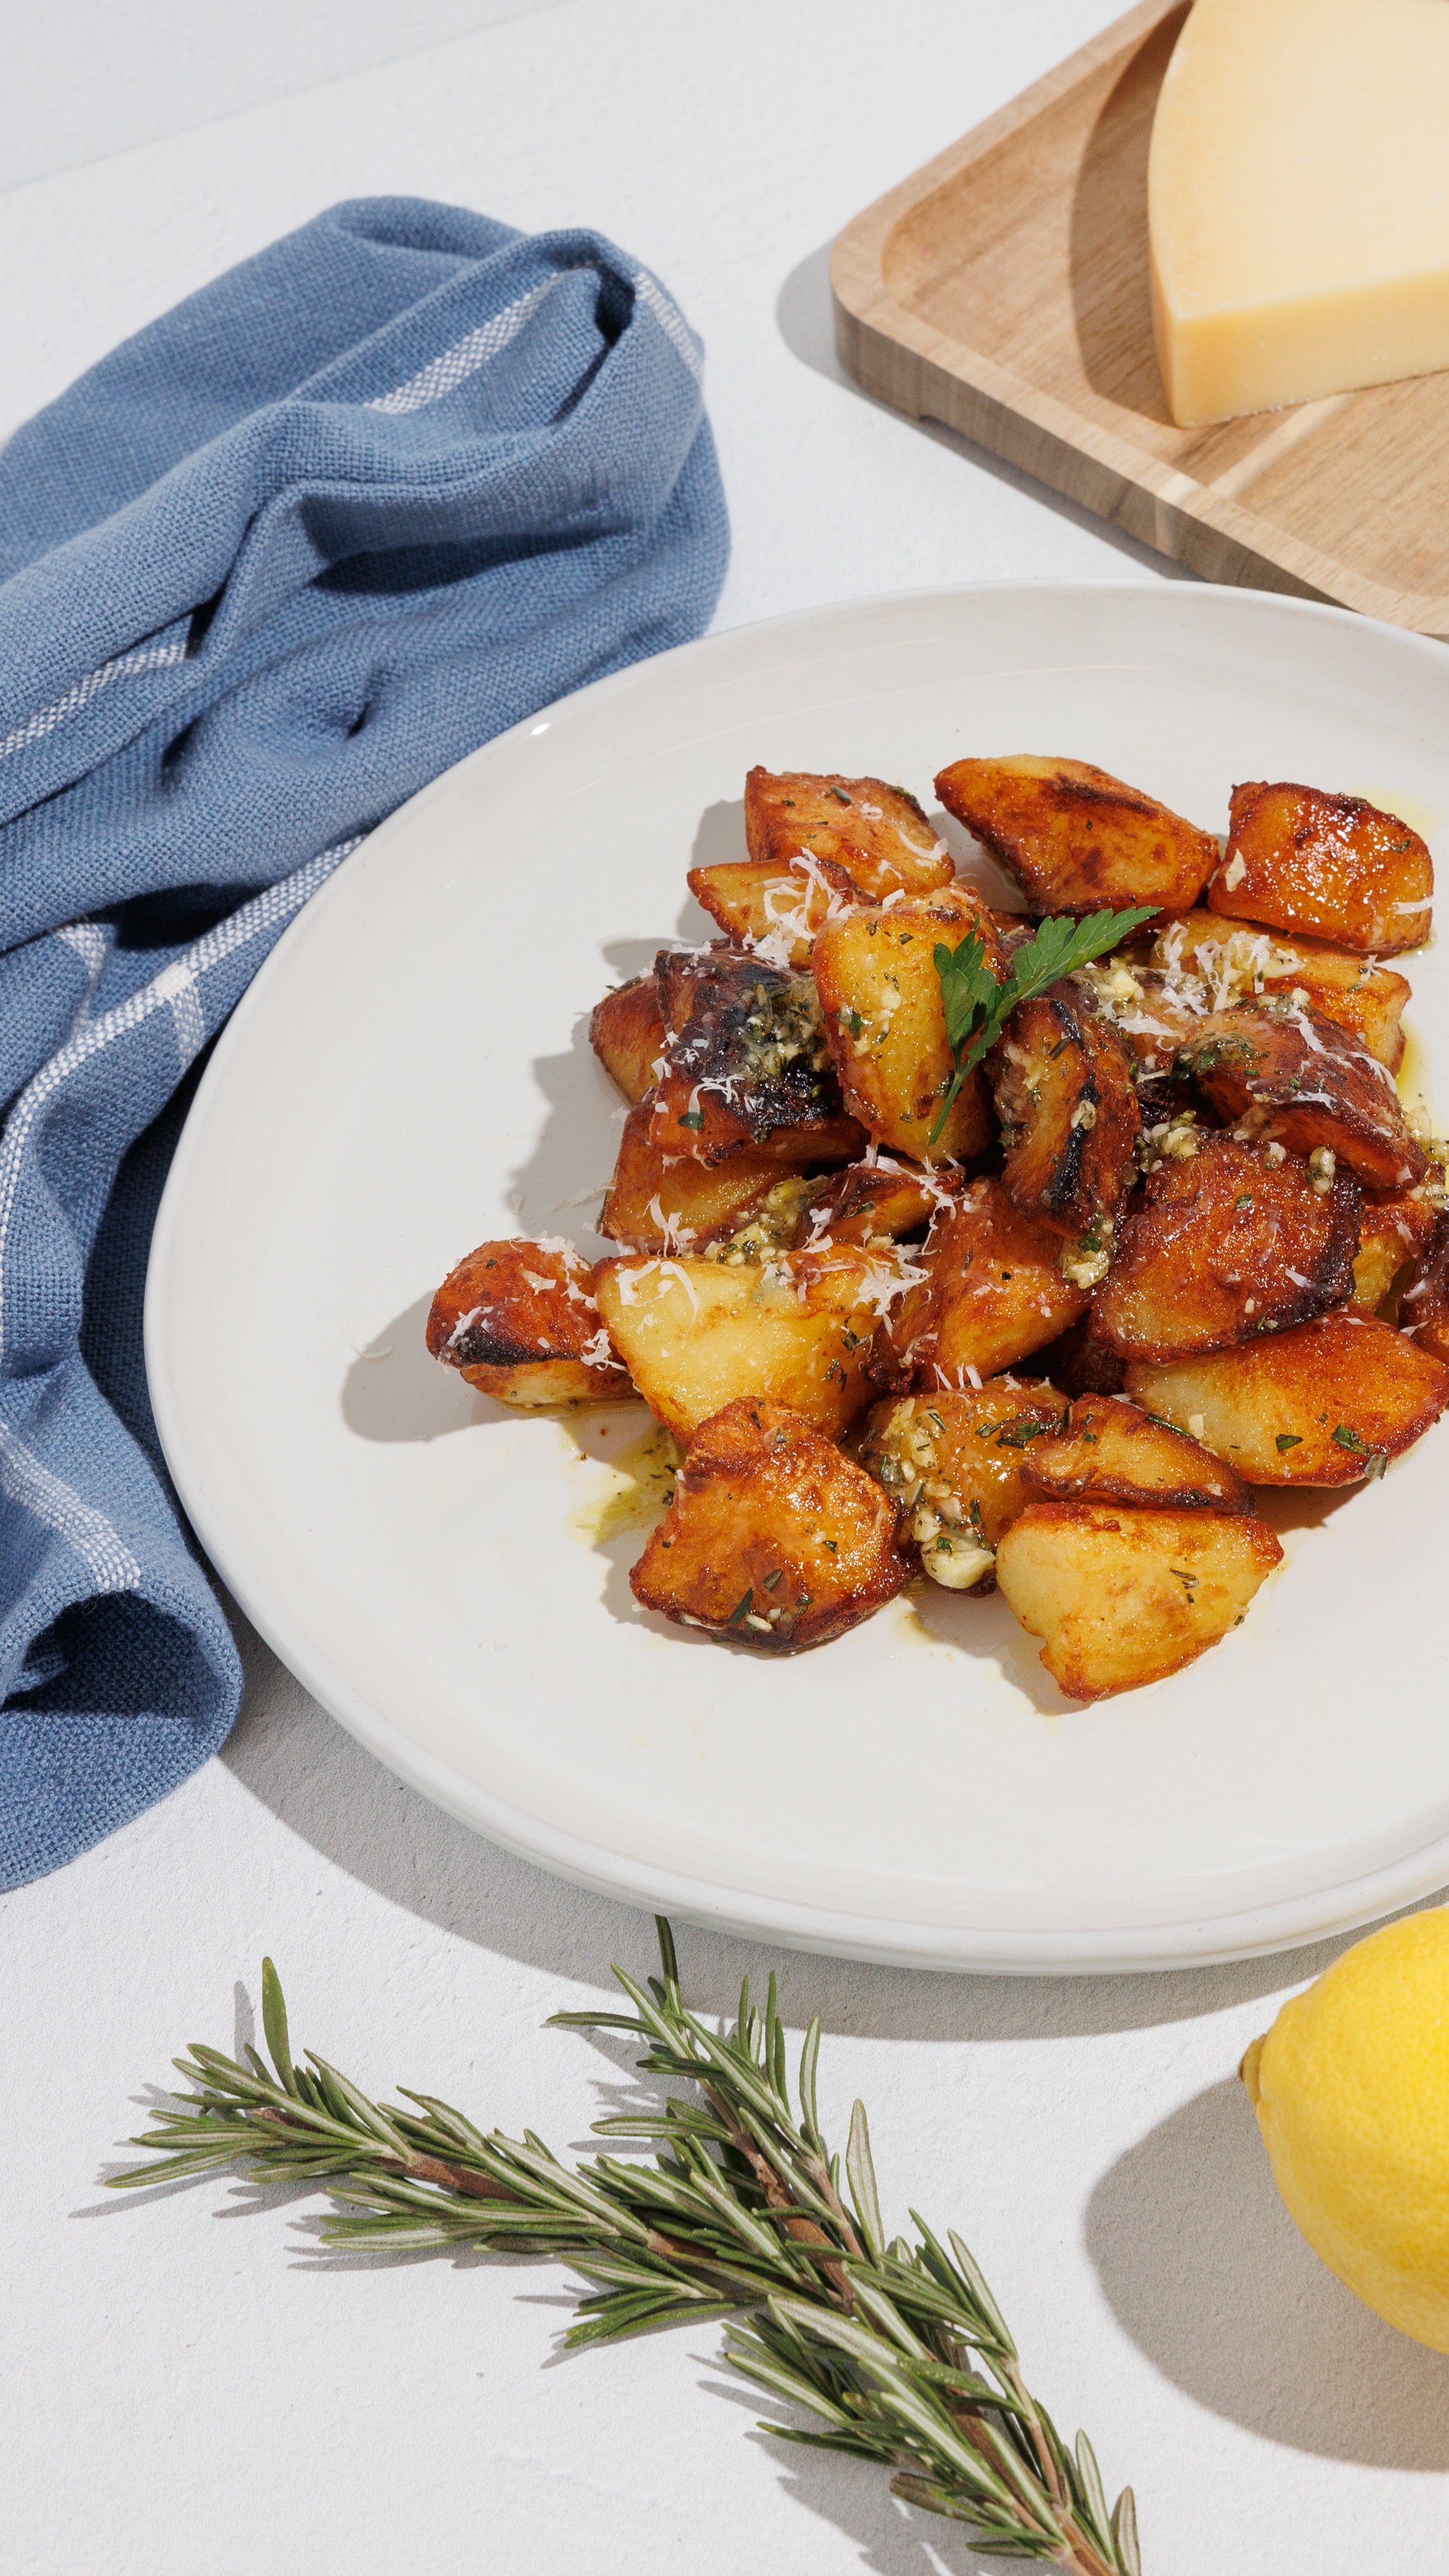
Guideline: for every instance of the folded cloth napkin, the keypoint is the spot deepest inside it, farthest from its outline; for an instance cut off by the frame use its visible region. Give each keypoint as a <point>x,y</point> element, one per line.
<point>333,522</point>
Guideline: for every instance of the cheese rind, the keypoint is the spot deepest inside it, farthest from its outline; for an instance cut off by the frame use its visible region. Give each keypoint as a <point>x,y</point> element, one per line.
<point>1298,202</point>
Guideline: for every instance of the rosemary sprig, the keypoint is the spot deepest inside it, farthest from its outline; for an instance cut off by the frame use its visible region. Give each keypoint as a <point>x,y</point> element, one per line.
<point>897,2349</point>
<point>978,1004</point>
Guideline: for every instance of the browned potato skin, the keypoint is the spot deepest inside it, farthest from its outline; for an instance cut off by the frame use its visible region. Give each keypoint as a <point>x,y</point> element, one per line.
<point>991,1296</point>
<point>1075,838</point>
<point>959,1458</point>
<point>868,1203</point>
<point>1069,1113</point>
<point>773,1539</point>
<point>880,997</point>
<point>626,1032</point>
<point>1348,1374</point>
<point>780,907</point>
<point>697,1334</point>
<point>1108,1451</point>
<point>1424,1305</point>
<point>713,1096</point>
<point>1123,1596</point>
<point>877,833</point>
<point>1395,1230</point>
<point>1332,866</point>
<point>1199,1270</point>
<point>1351,990</point>
<point>658,1202</point>
<point>1271,1069</point>
<point>1082,1360</point>
<point>515,1318</point>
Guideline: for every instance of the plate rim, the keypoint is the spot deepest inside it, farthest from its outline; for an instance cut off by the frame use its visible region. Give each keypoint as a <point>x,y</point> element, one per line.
<point>1285,1924</point>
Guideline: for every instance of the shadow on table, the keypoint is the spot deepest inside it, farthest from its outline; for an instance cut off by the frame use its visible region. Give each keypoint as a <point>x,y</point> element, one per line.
<point>1207,2273</point>
<point>806,324</point>
<point>324,1788</point>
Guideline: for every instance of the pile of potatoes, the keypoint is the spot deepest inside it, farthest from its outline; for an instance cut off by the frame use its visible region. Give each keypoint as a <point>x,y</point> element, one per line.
<point>1175,1239</point>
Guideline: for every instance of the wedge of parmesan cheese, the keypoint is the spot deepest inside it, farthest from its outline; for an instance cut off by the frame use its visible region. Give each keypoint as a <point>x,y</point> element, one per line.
<point>1298,202</point>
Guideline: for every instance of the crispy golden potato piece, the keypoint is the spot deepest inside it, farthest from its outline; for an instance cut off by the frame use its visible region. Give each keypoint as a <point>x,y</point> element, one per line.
<point>1149,1010</point>
<point>1077,839</point>
<point>626,1032</point>
<point>1282,1074</point>
<point>1226,1243</point>
<point>659,1202</point>
<point>1124,1597</point>
<point>746,1065</point>
<point>1108,1451</point>
<point>1332,866</point>
<point>869,1203</point>
<point>1069,1121</point>
<point>954,1463</point>
<point>880,999</point>
<point>991,1293</point>
<point>773,1538</point>
<point>1326,1404</point>
<point>1395,1231</point>
<point>695,1334</point>
<point>1424,1305</point>
<point>518,1320</point>
<point>774,907</point>
<point>878,834</point>
<point>1211,963</point>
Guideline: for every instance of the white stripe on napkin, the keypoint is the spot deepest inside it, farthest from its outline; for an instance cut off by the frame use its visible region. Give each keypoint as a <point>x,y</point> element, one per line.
<point>177,989</point>
<point>148,657</point>
<point>670,320</point>
<point>103,1553</point>
<point>443,375</point>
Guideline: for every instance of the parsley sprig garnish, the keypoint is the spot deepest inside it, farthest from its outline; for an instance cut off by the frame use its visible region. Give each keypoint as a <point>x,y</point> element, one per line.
<point>978,1004</point>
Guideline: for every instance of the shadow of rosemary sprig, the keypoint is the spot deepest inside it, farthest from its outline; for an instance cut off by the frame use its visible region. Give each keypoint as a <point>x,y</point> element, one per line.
<point>898,2350</point>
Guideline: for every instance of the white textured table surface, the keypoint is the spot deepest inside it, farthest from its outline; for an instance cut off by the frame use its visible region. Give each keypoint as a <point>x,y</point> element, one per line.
<point>190,2381</point>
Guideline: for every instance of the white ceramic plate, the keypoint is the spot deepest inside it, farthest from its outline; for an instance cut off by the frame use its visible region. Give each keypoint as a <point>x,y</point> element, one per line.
<point>410,1074</point>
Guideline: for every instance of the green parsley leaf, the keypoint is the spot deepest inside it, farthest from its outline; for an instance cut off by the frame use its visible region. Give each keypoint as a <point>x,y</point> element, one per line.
<point>1288,1440</point>
<point>978,1004</point>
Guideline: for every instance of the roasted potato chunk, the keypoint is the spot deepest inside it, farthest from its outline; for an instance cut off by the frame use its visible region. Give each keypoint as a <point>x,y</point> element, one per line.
<point>1283,1074</point>
<point>1069,1122</point>
<point>1210,963</point>
<point>627,1035</point>
<point>518,1320</point>
<point>773,1539</point>
<point>878,834</point>
<point>775,908</point>
<point>991,1294</point>
<point>1332,866</point>
<point>880,999</point>
<point>696,1334</point>
<point>869,1203</point>
<point>659,1202</point>
<point>1077,839</point>
<point>1228,1242</point>
<point>1147,1009</point>
<point>954,1464</point>
<point>746,1064</point>
<point>1108,1451</point>
<point>1326,1404</point>
<point>1395,1231</point>
<point>1123,1597</point>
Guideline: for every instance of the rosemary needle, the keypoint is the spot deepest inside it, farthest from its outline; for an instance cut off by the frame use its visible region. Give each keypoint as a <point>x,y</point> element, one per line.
<point>897,2351</point>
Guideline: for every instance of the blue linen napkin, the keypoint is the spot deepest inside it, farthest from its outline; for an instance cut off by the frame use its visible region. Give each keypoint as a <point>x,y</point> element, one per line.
<point>281,558</point>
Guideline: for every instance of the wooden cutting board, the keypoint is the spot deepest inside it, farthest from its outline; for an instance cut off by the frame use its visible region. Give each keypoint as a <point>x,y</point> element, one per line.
<point>1004,291</point>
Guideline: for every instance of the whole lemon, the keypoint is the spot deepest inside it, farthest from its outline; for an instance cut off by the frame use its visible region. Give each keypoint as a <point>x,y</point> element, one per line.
<point>1351,2089</point>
